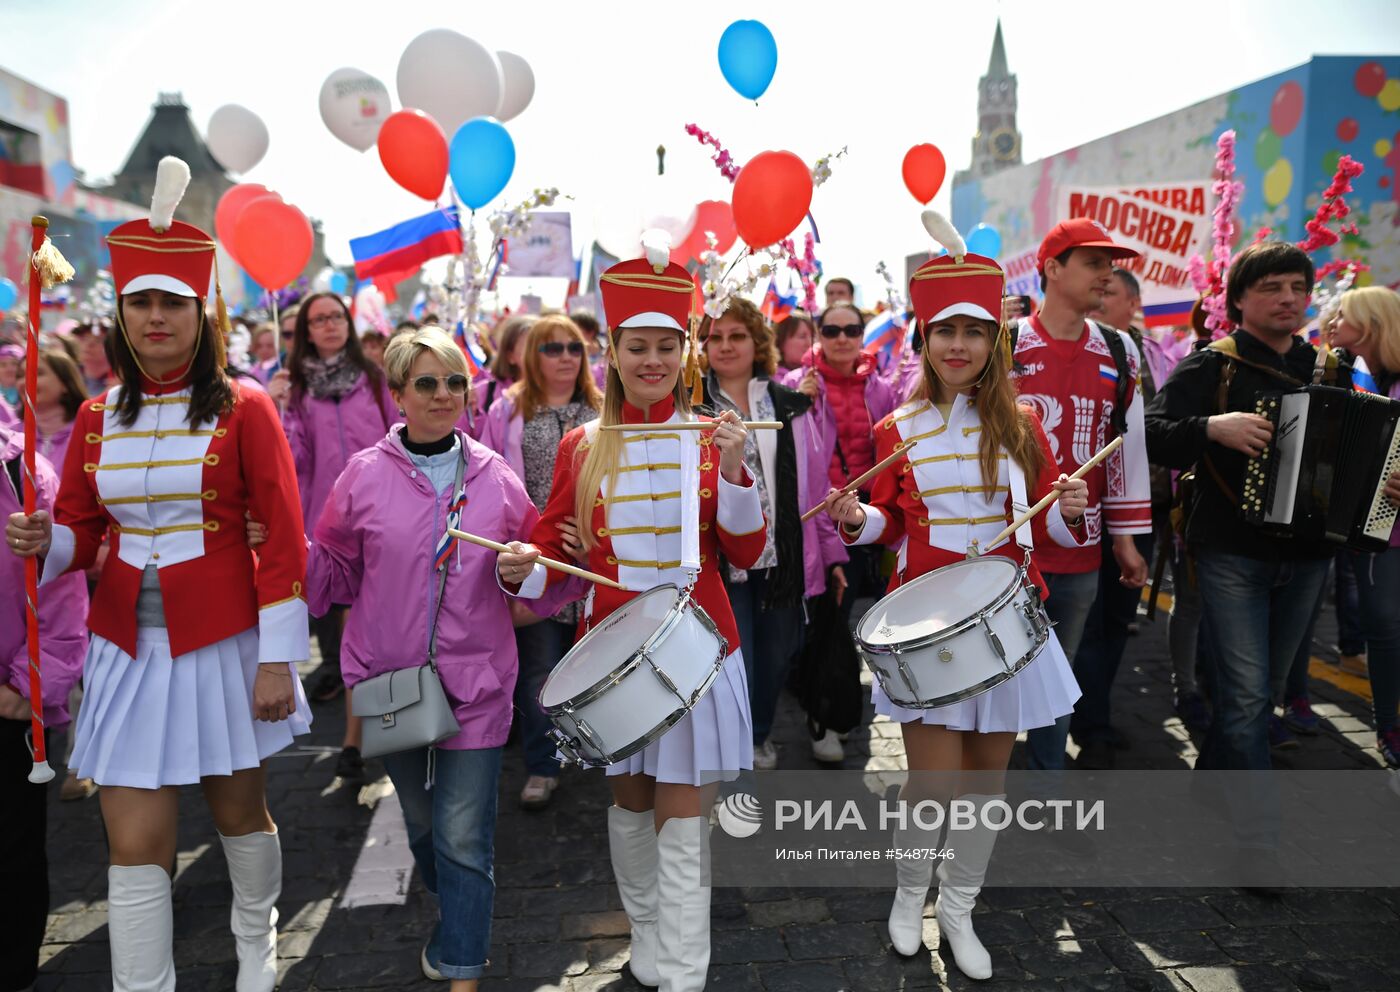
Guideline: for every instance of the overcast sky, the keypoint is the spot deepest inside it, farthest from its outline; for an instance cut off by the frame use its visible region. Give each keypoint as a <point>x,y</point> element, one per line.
<point>615,79</point>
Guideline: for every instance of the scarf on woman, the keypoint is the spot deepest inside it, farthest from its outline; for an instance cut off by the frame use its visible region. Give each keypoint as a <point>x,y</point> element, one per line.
<point>330,378</point>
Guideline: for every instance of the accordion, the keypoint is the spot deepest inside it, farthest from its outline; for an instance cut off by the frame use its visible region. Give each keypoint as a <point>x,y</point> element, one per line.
<point>1323,475</point>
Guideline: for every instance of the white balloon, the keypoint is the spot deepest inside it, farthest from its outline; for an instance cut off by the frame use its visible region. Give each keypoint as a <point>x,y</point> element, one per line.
<point>237,137</point>
<point>353,106</point>
<point>519,88</point>
<point>449,77</point>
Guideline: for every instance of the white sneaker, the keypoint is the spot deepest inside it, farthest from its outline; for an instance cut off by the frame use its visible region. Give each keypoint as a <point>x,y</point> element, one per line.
<point>829,750</point>
<point>765,757</point>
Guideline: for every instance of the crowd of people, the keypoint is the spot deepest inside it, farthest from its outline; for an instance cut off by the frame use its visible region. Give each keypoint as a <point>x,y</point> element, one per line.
<point>200,521</point>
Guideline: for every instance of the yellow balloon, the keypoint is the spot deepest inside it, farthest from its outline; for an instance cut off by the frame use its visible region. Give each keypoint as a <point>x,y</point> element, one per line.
<point>1389,96</point>
<point>1364,279</point>
<point>1277,182</point>
<point>1381,147</point>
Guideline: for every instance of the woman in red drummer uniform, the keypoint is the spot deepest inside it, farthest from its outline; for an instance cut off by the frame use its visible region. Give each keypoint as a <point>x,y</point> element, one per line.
<point>658,508</point>
<point>975,453</point>
<point>189,676</point>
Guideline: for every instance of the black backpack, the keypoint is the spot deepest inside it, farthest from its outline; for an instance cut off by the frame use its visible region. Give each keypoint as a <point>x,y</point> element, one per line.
<point>828,671</point>
<point>1114,340</point>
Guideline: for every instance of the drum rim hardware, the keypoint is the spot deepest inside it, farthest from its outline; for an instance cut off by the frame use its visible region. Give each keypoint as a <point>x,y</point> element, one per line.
<point>962,626</point>
<point>1032,613</point>
<point>570,746</point>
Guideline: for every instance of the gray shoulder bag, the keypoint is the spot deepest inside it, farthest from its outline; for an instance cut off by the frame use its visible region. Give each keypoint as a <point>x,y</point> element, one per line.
<point>408,708</point>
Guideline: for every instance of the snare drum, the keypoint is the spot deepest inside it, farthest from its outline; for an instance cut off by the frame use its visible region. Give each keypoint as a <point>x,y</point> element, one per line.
<point>632,677</point>
<point>954,633</point>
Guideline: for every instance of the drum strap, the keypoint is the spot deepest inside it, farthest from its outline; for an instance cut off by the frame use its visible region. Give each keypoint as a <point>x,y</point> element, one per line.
<point>1019,504</point>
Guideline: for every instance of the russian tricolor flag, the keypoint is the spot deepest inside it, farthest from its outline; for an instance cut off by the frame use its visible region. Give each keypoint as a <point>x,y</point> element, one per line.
<point>885,332</point>
<point>409,244</point>
<point>1176,314</point>
<point>776,305</point>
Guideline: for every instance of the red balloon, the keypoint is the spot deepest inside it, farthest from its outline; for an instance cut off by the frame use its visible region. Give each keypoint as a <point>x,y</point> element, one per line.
<point>1348,129</point>
<point>924,169</point>
<point>714,216</point>
<point>1370,77</point>
<point>1286,110</point>
<point>414,152</point>
<point>771,196</point>
<point>231,204</point>
<point>273,240</point>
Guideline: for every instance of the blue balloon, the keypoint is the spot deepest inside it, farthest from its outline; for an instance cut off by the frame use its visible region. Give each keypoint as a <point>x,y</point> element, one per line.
<point>748,57</point>
<point>984,240</point>
<point>480,160</point>
<point>338,283</point>
<point>9,292</point>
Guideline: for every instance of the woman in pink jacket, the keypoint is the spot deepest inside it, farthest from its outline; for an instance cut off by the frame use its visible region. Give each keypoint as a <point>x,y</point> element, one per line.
<point>334,403</point>
<point>375,545</point>
<point>63,641</point>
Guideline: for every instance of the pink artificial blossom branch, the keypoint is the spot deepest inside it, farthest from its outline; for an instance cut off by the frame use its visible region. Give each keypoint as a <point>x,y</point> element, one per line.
<point>728,168</point>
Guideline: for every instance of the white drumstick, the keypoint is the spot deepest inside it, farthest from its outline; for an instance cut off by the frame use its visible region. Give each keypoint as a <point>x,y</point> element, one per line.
<point>694,425</point>
<point>1051,497</point>
<point>559,566</point>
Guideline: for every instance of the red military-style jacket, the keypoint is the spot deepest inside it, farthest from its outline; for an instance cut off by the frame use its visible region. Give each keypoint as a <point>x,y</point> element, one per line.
<point>174,495</point>
<point>638,526</point>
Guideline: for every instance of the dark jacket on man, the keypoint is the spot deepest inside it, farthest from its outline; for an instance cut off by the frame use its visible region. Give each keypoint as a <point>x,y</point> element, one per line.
<point>1176,437</point>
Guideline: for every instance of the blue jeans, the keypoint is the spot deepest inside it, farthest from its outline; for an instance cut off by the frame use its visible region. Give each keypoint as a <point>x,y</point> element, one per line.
<point>1351,630</point>
<point>1256,613</point>
<point>1378,586</point>
<point>770,639</point>
<point>1071,597</point>
<point>540,645</point>
<point>1102,643</point>
<point>451,831</point>
<point>1295,685</point>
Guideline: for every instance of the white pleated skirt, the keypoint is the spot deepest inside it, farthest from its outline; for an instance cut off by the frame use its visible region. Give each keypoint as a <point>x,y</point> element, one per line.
<point>1036,696</point>
<point>711,743</point>
<point>154,720</point>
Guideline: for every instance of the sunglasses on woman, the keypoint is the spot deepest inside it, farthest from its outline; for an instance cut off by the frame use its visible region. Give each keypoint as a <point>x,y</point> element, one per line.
<point>553,349</point>
<point>426,385</point>
<point>836,330</point>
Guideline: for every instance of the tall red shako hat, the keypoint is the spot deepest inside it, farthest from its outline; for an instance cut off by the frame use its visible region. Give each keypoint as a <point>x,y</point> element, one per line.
<point>162,253</point>
<point>955,283</point>
<point>653,291</point>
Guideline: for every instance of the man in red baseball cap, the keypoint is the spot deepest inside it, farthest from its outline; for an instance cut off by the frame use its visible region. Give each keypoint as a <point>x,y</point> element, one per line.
<point>1082,378</point>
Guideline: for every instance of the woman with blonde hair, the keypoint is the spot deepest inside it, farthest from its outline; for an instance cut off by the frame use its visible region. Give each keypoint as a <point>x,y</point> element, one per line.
<point>974,453</point>
<point>555,394</point>
<point>653,508</point>
<point>1367,328</point>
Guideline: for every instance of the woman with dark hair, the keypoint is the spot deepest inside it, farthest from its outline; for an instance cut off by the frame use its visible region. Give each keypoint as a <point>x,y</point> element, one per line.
<point>334,402</point>
<point>790,468</point>
<point>851,398</point>
<point>554,395</point>
<point>795,334</point>
<point>974,452</point>
<point>189,675</point>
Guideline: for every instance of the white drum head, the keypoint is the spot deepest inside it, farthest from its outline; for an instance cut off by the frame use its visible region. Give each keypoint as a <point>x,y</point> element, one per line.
<point>936,601</point>
<point>608,645</point>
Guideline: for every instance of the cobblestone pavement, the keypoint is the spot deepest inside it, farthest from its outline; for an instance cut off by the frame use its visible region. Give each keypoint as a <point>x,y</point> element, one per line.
<point>354,917</point>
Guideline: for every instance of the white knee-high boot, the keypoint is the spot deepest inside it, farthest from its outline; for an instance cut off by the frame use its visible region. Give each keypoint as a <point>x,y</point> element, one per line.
<point>913,878</point>
<point>255,870</point>
<point>683,904</point>
<point>139,922</point>
<point>632,843</point>
<point>961,879</point>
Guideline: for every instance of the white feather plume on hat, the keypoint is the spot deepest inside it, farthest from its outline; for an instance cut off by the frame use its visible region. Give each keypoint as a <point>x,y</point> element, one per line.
<point>172,178</point>
<point>657,244</point>
<point>941,229</point>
